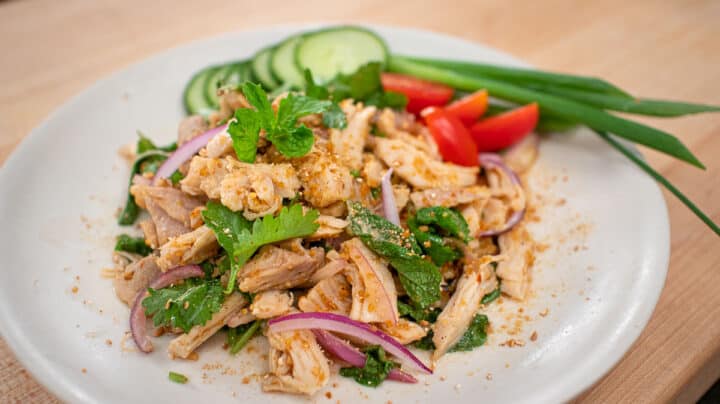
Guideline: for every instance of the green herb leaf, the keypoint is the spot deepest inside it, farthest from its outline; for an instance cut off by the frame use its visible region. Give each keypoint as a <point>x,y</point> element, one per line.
<point>294,142</point>
<point>334,117</point>
<point>177,377</point>
<point>447,219</point>
<point>241,240</point>
<point>238,337</point>
<point>185,306</point>
<point>492,296</point>
<point>376,369</point>
<point>135,245</point>
<point>474,336</point>
<point>433,244</point>
<point>417,314</point>
<point>420,278</point>
<point>425,343</point>
<point>244,131</point>
<point>176,177</point>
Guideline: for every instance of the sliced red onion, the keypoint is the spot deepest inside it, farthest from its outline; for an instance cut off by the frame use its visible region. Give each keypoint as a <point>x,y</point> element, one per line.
<point>185,153</point>
<point>493,160</point>
<point>138,321</point>
<point>345,325</point>
<point>348,353</point>
<point>390,210</point>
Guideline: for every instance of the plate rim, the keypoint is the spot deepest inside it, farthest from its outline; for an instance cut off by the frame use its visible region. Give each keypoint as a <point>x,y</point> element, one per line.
<point>50,378</point>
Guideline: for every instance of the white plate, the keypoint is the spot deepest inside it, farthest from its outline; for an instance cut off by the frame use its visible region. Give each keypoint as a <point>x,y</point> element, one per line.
<point>599,279</point>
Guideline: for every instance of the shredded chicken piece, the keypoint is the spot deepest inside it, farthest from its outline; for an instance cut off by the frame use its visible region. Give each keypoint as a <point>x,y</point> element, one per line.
<point>335,264</point>
<point>417,168</point>
<point>517,245</point>
<point>388,124</point>
<point>271,303</point>
<point>404,331</point>
<point>230,99</point>
<point>477,280</point>
<point>279,268</point>
<point>170,209</point>
<point>373,289</point>
<point>297,364</point>
<point>329,227</point>
<point>521,157</point>
<point>220,145</point>
<point>190,127</point>
<point>449,197</point>
<point>190,248</point>
<point>494,214</point>
<point>243,316</point>
<point>330,295</point>
<point>372,170</point>
<point>348,143</point>
<point>255,189</point>
<point>135,278</point>
<point>186,344</point>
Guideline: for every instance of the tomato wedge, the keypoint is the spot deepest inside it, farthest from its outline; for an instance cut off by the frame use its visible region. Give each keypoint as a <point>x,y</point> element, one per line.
<point>420,93</point>
<point>451,136</point>
<point>469,108</point>
<point>501,131</point>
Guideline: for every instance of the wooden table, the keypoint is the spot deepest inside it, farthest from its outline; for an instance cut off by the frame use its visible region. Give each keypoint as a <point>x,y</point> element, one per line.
<point>53,49</point>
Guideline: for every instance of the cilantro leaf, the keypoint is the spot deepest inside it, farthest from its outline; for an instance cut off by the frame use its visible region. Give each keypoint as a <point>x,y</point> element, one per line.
<point>225,223</point>
<point>420,278</point>
<point>134,245</point>
<point>447,219</point>
<point>474,336</point>
<point>241,239</point>
<point>185,306</point>
<point>376,369</point>
<point>238,337</point>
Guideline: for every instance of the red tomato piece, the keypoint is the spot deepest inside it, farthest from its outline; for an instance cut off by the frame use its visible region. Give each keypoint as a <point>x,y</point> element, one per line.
<point>452,137</point>
<point>420,93</point>
<point>504,130</point>
<point>469,108</point>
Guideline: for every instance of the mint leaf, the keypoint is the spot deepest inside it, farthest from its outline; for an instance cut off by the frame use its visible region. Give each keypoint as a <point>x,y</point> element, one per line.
<point>257,97</point>
<point>417,314</point>
<point>449,220</point>
<point>296,106</point>
<point>420,278</point>
<point>433,245</point>
<point>474,336</point>
<point>244,131</point>
<point>376,369</point>
<point>242,238</point>
<point>135,245</point>
<point>185,306</point>
<point>294,142</point>
<point>334,117</point>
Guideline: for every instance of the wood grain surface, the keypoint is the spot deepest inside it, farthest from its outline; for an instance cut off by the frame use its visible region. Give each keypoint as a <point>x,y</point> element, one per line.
<point>51,50</point>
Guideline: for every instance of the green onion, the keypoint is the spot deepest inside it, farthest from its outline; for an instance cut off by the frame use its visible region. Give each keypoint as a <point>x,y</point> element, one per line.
<point>633,106</point>
<point>659,178</point>
<point>177,377</point>
<point>239,341</point>
<point>538,79</point>
<point>568,109</point>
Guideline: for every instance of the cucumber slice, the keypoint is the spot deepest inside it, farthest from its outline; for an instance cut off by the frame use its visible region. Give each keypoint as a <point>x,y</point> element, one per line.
<point>194,94</point>
<point>212,81</point>
<point>261,69</point>
<point>339,50</point>
<point>235,74</point>
<point>282,63</point>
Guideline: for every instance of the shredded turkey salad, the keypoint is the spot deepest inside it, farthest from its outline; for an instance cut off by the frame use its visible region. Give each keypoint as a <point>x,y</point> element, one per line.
<point>307,218</point>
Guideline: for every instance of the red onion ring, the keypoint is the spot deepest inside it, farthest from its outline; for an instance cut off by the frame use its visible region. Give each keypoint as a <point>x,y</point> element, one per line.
<point>493,160</point>
<point>345,325</point>
<point>348,353</point>
<point>185,153</point>
<point>138,321</point>
<point>390,210</point>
